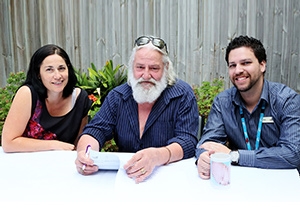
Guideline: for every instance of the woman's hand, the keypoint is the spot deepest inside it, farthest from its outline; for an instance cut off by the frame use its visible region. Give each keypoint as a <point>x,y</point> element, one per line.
<point>63,146</point>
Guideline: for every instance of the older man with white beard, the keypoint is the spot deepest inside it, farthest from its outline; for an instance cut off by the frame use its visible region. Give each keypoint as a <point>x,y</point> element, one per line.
<point>154,115</point>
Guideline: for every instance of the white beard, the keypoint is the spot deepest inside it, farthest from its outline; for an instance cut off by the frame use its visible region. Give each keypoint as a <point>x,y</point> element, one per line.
<point>147,95</point>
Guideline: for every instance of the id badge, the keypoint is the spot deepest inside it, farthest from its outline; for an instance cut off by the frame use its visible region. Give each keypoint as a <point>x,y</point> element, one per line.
<point>267,120</point>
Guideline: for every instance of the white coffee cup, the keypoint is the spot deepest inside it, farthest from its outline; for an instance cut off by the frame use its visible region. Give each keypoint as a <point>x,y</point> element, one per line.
<point>220,169</point>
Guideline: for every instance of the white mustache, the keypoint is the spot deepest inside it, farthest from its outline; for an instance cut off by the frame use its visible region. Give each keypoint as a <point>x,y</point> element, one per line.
<point>141,80</point>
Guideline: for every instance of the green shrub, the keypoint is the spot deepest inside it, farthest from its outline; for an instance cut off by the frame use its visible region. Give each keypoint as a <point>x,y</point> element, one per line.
<point>98,83</point>
<point>7,93</point>
<point>206,93</point>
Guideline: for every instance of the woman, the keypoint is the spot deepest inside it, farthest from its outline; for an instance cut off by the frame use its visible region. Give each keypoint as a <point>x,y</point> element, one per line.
<point>48,112</point>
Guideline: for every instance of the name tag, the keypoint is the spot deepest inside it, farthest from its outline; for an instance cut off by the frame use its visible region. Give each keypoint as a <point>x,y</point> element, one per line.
<point>267,120</point>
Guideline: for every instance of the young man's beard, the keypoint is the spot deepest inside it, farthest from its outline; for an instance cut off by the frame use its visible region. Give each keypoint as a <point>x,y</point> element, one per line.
<point>149,95</point>
<point>248,87</point>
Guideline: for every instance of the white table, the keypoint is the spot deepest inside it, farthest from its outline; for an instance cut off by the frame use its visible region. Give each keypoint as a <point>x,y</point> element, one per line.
<point>39,186</point>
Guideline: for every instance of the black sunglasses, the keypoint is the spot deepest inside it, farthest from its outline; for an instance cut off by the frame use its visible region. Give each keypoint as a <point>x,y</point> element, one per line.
<point>158,42</point>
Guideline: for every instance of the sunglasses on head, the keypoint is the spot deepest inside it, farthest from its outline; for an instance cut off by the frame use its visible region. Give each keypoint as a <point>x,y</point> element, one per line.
<point>158,42</point>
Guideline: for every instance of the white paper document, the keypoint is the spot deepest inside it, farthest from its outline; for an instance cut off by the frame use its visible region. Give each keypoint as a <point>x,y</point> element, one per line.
<point>164,177</point>
<point>105,161</point>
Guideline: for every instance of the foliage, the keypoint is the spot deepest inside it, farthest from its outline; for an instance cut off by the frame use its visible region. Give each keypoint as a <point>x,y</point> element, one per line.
<point>7,93</point>
<point>99,82</point>
<point>110,146</point>
<point>206,93</point>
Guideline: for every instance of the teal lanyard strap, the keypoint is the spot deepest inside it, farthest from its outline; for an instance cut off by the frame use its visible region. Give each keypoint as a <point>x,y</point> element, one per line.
<point>258,133</point>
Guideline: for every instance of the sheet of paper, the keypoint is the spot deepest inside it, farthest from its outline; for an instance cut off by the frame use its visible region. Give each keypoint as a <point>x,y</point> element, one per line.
<point>105,161</point>
<point>163,177</point>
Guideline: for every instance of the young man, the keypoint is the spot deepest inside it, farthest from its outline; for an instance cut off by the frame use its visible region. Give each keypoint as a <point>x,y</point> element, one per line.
<point>154,115</point>
<point>256,121</point>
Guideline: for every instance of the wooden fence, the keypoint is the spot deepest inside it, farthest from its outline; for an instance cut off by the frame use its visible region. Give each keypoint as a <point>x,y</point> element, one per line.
<point>196,31</point>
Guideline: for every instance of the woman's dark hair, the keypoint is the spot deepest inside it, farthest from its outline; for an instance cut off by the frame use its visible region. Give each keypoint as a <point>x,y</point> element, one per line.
<point>245,41</point>
<point>33,73</point>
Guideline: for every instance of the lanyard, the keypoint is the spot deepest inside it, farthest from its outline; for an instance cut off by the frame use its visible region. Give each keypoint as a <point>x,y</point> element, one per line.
<point>263,106</point>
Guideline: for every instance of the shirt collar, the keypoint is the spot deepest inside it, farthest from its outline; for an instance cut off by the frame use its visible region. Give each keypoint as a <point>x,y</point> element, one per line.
<point>237,99</point>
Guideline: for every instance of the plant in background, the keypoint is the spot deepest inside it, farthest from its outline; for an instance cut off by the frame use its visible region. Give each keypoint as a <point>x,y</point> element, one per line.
<point>91,86</point>
<point>7,93</point>
<point>98,83</point>
<point>206,93</point>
